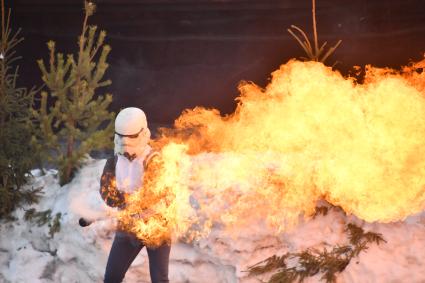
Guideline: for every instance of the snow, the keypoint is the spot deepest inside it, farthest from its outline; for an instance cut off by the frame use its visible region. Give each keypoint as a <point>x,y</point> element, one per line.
<point>76,254</point>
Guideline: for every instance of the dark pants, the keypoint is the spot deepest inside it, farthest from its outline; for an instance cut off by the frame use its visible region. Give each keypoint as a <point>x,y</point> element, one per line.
<point>124,250</point>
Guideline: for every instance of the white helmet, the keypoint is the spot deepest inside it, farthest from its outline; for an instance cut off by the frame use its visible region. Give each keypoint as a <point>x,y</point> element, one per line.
<point>131,131</point>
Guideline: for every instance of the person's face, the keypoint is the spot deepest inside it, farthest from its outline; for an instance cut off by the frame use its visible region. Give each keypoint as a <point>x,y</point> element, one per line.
<point>130,141</point>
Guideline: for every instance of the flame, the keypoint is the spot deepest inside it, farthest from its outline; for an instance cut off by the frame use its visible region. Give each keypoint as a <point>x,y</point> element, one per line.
<point>311,134</point>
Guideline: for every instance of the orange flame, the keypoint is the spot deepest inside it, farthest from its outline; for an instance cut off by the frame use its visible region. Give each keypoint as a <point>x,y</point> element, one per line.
<point>311,134</point>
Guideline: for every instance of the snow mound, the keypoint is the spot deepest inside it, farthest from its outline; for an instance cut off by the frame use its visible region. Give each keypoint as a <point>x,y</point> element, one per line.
<point>75,254</point>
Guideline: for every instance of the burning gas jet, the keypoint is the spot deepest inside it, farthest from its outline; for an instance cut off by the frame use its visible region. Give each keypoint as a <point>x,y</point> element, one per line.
<point>311,134</point>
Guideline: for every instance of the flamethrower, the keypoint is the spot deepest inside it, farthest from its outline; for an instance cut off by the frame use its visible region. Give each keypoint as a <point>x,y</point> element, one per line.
<point>143,216</point>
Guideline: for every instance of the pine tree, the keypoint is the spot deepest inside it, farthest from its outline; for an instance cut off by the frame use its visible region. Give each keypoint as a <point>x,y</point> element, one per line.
<point>70,128</point>
<point>16,153</point>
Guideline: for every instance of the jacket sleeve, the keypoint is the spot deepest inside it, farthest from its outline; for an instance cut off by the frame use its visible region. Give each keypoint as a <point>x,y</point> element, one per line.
<point>108,189</point>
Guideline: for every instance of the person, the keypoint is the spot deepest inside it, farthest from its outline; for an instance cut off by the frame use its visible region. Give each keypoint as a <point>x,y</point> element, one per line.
<point>122,175</point>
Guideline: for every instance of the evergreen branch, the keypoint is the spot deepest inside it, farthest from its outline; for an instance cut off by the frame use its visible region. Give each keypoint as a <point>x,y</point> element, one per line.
<point>321,210</point>
<point>99,43</point>
<point>312,262</point>
<point>51,46</point>
<point>330,51</point>
<point>269,264</point>
<point>89,8</point>
<point>307,51</point>
<point>306,40</point>
<point>16,154</point>
<point>290,275</point>
<point>321,49</point>
<point>9,12</point>
<point>2,18</point>
<point>104,83</point>
<point>82,37</point>
<point>102,67</point>
<point>10,57</point>
<point>44,217</point>
<point>14,41</point>
<point>355,233</point>
<point>90,41</point>
<point>313,10</point>
<point>43,70</point>
<point>316,53</point>
<point>374,237</point>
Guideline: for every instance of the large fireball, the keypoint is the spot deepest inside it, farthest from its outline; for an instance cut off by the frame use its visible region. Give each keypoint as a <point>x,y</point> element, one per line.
<point>311,134</point>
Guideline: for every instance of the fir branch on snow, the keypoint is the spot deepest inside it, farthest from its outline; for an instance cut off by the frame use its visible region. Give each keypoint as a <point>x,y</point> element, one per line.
<point>321,210</point>
<point>311,262</point>
<point>55,224</point>
<point>269,264</point>
<point>44,217</point>
<point>357,235</point>
<point>324,209</point>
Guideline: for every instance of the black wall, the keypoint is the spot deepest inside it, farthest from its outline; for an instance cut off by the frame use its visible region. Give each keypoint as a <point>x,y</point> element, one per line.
<point>171,55</point>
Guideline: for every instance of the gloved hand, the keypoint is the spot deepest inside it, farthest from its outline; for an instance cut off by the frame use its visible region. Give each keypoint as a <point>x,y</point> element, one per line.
<point>123,198</point>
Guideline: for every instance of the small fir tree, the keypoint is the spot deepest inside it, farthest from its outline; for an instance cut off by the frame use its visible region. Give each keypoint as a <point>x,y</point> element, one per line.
<point>70,128</point>
<point>16,153</point>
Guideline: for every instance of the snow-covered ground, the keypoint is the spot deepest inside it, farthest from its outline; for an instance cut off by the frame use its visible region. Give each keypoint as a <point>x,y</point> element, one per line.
<point>76,254</point>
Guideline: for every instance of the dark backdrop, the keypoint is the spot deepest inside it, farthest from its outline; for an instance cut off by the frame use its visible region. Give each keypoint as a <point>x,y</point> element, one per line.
<point>168,55</point>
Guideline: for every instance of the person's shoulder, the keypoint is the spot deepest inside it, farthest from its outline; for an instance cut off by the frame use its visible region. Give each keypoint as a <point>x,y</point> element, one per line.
<point>152,155</point>
<point>111,158</point>
<point>111,161</point>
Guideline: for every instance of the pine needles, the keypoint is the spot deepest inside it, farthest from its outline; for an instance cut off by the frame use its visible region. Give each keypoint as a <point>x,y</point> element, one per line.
<point>16,153</point>
<point>314,53</point>
<point>79,120</point>
<point>324,210</point>
<point>357,236</point>
<point>44,217</point>
<point>311,262</point>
